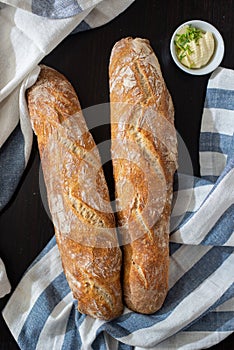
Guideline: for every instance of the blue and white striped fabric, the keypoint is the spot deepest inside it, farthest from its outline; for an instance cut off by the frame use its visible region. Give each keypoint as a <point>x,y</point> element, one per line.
<point>199,309</point>
<point>30,29</point>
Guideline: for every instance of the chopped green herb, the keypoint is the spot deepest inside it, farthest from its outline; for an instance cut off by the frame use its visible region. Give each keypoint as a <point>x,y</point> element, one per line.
<point>183,40</point>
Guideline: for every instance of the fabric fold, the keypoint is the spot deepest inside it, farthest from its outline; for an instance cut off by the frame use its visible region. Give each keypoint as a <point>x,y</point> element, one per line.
<point>198,311</point>
<point>5,286</point>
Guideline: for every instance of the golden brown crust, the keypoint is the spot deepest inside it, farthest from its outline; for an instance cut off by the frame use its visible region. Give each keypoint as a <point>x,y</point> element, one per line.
<point>78,196</point>
<point>144,153</point>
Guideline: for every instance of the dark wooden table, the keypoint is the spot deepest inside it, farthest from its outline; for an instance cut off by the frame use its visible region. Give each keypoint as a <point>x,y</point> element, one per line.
<point>83,58</point>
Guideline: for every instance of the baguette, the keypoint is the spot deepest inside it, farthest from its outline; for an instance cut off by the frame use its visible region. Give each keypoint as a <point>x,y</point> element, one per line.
<point>144,155</point>
<point>77,195</point>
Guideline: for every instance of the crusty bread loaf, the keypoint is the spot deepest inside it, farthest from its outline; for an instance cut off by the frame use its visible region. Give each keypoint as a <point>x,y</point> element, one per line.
<point>77,195</point>
<point>144,154</point>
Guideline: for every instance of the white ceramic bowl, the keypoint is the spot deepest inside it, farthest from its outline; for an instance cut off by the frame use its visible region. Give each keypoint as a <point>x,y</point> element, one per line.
<point>217,57</point>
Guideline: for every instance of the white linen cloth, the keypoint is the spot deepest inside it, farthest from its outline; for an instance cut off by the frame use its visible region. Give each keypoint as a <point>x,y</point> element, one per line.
<point>5,286</point>
<point>199,309</point>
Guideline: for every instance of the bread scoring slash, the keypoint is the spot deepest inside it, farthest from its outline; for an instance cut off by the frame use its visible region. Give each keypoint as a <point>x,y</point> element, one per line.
<point>144,154</point>
<point>77,195</point>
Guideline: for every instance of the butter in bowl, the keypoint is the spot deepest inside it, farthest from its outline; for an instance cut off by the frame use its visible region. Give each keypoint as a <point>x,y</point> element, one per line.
<point>197,47</point>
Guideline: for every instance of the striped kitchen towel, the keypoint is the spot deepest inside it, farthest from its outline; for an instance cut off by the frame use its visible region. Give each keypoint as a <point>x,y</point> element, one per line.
<point>199,309</point>
<point>30,29</point>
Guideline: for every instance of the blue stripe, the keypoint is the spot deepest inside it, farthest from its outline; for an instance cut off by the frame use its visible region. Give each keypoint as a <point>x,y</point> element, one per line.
<point>226,296</point>
<point>56,8</point>
<point>229,165</point>
<point>122,346</point>
<point>198,182</point>
<point>99,342</point>
<point>210,178</point>
<point>173,247</point>
<point>219,98</point>
<point>129,323</point>
<point>41,310</point>
<point>188,182</point>
<point>182,181</point>
<point>72,339</point>
<point>230,159</point>
<point>208,264</point>
<point>221,178</point>
<point>12,165</point>
<point>81,27</point>
<point>222,230</point>
<point>215,320</point>
<point>215,142</point>
<point>180,220</point>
